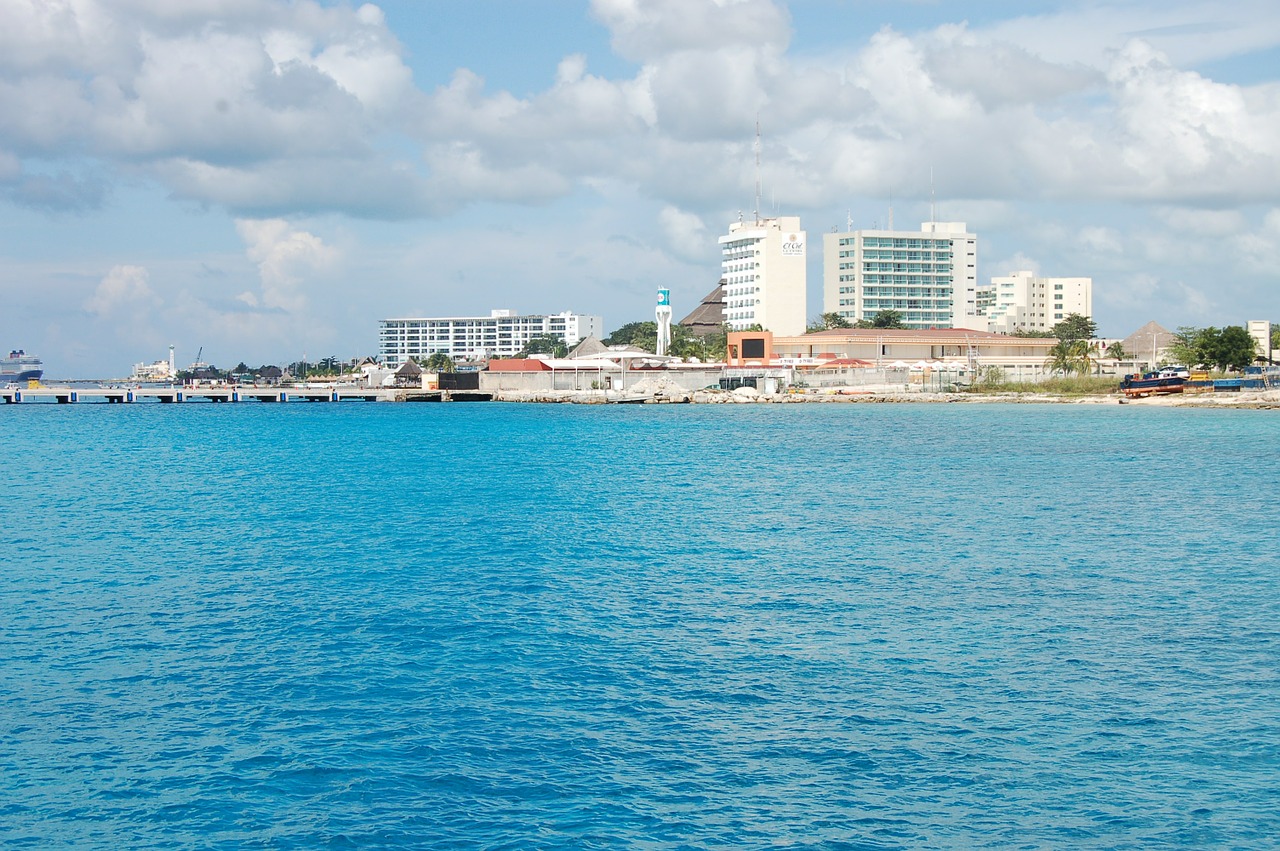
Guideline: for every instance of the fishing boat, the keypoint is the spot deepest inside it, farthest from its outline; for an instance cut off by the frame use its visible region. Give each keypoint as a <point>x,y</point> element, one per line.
<point>1159,383</point>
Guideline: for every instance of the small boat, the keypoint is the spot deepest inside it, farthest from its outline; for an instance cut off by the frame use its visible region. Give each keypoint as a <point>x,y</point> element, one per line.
<point>1165,381</point>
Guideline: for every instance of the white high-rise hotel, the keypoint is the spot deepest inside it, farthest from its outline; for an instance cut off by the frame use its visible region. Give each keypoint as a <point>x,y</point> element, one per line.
<point>763,268</point>
<point>929,276</point>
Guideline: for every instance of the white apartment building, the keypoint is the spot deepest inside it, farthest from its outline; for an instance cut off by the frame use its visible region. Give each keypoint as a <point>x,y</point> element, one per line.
<point>765,280</point>
<point>501,334</point>
<point>1024,302</point>
<point>929,276</point>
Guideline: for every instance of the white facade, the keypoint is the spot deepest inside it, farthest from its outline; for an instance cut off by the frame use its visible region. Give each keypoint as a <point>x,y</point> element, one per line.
<point>1024,302</point>
<point>930,276</point>
<point>765,279</point>
<point>1260,331</point>
<point>160,370</point>
<point>502,334</point>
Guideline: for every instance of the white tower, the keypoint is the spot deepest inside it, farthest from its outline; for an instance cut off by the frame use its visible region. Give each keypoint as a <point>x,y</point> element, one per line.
<point>173,371</point>
<point>662,313</point>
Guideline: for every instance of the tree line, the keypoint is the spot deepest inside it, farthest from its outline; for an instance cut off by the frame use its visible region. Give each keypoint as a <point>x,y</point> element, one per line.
<point>1229,348</point>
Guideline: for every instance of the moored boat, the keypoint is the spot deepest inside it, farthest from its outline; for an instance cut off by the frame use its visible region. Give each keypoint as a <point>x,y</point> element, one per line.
<point>1169,380</point>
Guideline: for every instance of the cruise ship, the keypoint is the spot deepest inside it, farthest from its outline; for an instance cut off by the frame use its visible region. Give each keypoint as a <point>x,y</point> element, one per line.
<point>19,367</point>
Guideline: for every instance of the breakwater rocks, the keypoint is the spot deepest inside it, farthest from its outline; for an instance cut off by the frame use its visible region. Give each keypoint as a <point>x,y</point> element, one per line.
<point>1269,400</point>
<point>751,396</point>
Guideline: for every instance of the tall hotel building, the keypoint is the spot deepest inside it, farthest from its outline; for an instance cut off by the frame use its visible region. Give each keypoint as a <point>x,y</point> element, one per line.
<point>765,280</point>
<point>929,276</point>
<point>501,334</point>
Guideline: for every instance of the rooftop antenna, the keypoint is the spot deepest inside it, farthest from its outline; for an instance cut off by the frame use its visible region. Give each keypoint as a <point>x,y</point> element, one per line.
<point>933,213</point>
<point>890,211</point>
<point>848,221</point>
<point>757,150</point>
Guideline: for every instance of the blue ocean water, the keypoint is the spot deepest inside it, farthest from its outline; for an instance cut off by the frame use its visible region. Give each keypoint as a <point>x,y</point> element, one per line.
<point>524,626</point>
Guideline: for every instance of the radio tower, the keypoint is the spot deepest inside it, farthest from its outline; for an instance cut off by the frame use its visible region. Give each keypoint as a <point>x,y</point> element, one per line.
<point>757,148</point>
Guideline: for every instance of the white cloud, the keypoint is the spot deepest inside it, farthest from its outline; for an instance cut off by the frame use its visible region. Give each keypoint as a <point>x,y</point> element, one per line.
<point>1190,31</point>
<point>686,233</point>
<point>1017,263</point>
<point>124,287</point>
<point>1184,136</point>
<point>284,256</point>
<point>1188,220</point>
<point>647,29</point>
<point>1101,240</point>
<point>1258,251</point>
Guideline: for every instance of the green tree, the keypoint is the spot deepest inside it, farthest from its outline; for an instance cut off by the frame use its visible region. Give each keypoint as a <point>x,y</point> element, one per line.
<point>883,319</point>
<point>546,345</point>
<point>1075,327</point>
<point>439,362</point>
<point>1116,350</point>
<point>826,321</point>
<point>707,348</point>
<point>888,319</point>
<point>1275,337</point>
<point>1029,332</point>
<point>627,334</point>
<point>1231,348</point>
<point>1186,346</point>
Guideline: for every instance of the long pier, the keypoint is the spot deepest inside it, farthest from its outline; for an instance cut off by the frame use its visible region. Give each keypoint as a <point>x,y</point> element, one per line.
<point>233,393</point>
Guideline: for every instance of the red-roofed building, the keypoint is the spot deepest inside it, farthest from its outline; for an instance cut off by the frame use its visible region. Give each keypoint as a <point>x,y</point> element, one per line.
<point>882,346</point>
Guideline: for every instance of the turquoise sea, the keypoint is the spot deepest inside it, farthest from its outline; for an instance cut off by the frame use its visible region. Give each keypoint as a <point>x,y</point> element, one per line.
<point>522,626</point>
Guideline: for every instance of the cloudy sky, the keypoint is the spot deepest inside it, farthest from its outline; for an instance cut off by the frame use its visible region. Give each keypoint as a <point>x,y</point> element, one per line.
<point>266,179</point>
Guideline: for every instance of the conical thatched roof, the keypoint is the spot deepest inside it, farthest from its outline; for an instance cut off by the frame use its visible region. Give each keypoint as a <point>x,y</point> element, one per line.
<point>708,316</point>
<point>409,369</point>
<point>1150,338</point>
<point>589,346</point>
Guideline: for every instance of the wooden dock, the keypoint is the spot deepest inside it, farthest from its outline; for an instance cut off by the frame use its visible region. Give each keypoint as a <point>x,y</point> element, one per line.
<point>233,393</point>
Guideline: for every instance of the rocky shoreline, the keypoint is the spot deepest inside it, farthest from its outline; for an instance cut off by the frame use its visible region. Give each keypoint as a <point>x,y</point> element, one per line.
<point>1266,400</point>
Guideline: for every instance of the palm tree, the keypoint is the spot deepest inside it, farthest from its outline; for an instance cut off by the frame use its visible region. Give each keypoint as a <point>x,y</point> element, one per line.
<point>1061,357</point>
<point>1072,356</point>
<point>440,362</point>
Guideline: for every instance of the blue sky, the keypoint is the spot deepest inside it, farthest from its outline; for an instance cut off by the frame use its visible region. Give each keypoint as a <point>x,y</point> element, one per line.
<point>267,179</point>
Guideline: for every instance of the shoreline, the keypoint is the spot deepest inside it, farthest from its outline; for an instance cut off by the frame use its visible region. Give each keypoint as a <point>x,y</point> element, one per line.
<point>1264,400</point>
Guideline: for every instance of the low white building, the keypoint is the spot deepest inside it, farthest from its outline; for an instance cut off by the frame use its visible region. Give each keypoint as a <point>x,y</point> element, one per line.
<point>501,334</point>
<point>1024,301</point>
<point>161,370</point>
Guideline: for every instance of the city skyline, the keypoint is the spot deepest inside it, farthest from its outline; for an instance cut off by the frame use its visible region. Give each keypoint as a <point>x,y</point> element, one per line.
<point>266,179</point>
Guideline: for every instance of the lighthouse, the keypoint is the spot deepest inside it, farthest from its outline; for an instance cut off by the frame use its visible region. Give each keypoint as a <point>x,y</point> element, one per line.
<point>662,313</point>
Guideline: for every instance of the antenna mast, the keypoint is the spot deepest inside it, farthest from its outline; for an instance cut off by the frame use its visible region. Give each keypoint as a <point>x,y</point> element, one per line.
<point>933,214</point>
<point>890,211</point>
<point>757,149</point>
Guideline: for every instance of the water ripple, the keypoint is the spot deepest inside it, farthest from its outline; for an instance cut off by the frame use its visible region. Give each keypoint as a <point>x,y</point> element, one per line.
<point>870,627</point>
